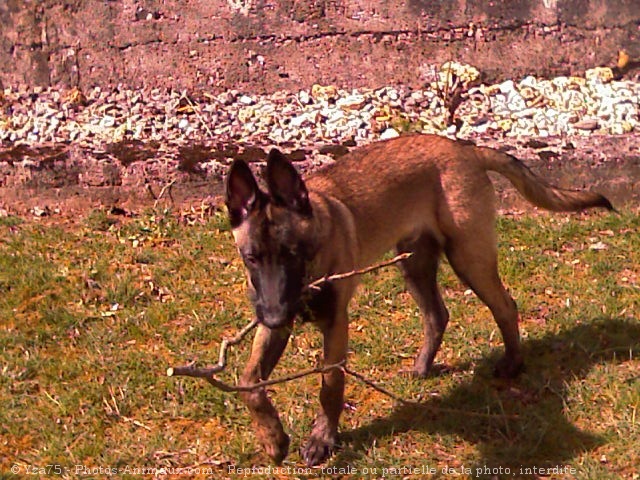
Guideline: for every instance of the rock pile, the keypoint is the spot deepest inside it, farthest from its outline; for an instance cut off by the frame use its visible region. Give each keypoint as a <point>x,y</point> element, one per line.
<point>531,107</point>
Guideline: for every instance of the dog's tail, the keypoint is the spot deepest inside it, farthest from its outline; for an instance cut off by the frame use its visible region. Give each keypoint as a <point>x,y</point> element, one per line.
<point>536,190</point>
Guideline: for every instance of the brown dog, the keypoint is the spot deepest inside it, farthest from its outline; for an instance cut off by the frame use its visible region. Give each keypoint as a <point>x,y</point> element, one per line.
<point>423,194</point>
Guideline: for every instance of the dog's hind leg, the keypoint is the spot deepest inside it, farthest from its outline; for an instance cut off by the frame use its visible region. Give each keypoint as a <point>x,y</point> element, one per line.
<point>268,345</point>
<point>420,273</point>
<point>474,258</point>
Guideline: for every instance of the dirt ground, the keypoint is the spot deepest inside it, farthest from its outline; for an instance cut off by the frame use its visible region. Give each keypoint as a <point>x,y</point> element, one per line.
<point>71,181</point>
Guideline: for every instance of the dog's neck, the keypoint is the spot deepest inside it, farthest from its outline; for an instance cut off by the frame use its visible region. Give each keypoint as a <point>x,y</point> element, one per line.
<point>334,230</point>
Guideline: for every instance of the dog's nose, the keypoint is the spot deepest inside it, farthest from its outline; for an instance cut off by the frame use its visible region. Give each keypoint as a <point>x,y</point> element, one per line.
<point>274,317</point>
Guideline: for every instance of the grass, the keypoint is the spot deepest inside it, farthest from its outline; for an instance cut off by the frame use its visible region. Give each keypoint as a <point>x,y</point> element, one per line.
<point>94,309</point>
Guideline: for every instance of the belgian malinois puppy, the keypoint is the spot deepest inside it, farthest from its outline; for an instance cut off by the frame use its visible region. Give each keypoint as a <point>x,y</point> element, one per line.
<point>423,194</point>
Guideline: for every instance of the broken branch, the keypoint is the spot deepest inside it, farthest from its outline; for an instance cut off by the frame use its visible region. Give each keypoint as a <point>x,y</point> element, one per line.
<point>208,375</point>
<point>192,371</point>
<point>414,403</point>
<point>196,110</point>
<point>164,189</point>
<point>315,285</point>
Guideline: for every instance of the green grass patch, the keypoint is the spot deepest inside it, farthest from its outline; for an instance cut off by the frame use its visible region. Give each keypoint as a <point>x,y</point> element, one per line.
<point>93,312</point>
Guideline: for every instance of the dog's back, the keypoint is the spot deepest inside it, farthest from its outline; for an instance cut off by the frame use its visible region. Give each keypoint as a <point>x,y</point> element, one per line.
<point>413,183</point>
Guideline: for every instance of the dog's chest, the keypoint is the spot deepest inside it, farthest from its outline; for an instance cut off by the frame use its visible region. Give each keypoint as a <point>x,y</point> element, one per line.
<point>319,305</point>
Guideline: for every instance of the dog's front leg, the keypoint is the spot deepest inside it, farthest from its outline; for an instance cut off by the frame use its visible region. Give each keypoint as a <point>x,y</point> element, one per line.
<point>268,345</point>
<point>325,429</point>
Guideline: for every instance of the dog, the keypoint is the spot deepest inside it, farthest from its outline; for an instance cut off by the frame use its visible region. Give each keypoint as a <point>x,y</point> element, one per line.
<point>423,194</point>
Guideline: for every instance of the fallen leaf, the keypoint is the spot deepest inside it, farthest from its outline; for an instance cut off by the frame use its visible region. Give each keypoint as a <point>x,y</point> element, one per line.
<point>598,246</point>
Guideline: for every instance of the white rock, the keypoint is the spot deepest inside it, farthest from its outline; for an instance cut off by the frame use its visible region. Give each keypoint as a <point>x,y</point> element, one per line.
<point>352,102</point>
<point>389,133</point>
<point>599,74</point>
<point>565,120</point>
<point>418,95</point>
<point>40,212</point>
<point>525,113</point>
<point>226,98</point>
<point>586,124</point>
<point>482,128</point>
<point>601,91</point>
<point>515,102</point>
<point>529,81</point>
<point>335,116</point>
<point>304,97</point>
<point>573,100</point>
<point>246,100</point>
<point>560,82</point>
<point>551,113</point>
<point>625,111</point>
<point>107,121</point>
<point>506,87</point>
<point>297,122</point>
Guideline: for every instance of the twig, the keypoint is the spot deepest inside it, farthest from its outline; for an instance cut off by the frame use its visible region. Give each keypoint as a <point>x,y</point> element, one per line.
<point>446,85</point>
<point>150,190</point>
<point>315,285</point>
<point>370,383</point>
<point>209,372</point>
<point>137,423</point>
<point>414,403</point>
<point>192,371</point>
<point>164,189</point>
<point>208,375</point>
<point>196,110</point>
<point>451,94</point>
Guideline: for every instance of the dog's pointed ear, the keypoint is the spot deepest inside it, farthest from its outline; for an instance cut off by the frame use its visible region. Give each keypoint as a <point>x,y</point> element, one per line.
<point>285,183</point>
<point>242,192</point>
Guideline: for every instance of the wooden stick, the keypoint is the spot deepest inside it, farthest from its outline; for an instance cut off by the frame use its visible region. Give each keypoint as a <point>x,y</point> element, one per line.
<point>196,110</point>
<point>401,400</point>
<point>167,187</point>
<point>209,372</point>
<point>209,375</point>
<point>315,285</point>
<point>192,371</point>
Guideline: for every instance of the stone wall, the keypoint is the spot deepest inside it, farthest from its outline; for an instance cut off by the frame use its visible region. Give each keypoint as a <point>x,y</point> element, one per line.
<point>269,45</point>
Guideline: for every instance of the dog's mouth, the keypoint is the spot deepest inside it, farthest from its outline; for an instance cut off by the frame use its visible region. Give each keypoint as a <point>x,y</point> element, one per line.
<point>274,325</point>
<point>277,320</point>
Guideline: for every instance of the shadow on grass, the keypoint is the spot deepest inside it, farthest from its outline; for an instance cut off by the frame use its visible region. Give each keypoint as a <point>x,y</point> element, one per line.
<point>529,428</point>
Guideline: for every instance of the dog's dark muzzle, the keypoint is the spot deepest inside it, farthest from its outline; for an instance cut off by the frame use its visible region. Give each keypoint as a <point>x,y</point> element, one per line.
<point>275,317</point>
<point>278,290</point>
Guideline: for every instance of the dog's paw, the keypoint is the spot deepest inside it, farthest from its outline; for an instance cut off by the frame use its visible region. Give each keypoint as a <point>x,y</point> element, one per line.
<point>508,368</point>
<point>413,373</point>
<point>421,370</point>
<point>275,443</point>
<point>316,451</point>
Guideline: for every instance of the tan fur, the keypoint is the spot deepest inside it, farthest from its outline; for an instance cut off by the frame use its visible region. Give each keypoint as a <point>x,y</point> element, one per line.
<point>399,188</point>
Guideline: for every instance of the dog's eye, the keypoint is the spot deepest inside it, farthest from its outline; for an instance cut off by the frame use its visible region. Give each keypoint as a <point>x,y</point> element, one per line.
<point>251,260</point>
<point>288,252</point>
